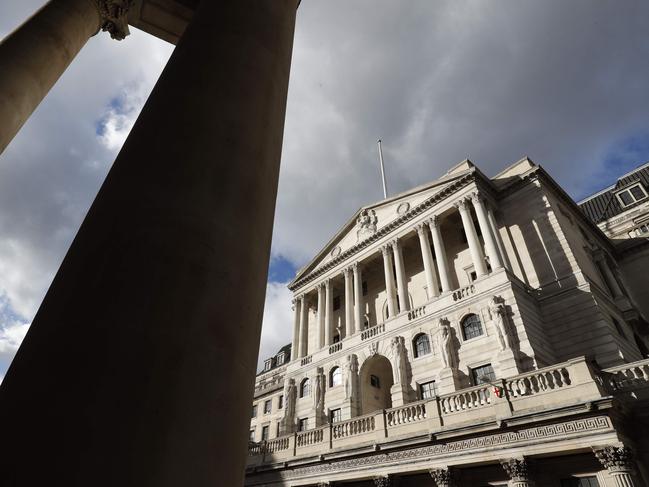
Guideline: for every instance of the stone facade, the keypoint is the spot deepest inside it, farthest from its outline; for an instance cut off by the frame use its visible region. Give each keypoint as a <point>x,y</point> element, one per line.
<point>466,332</point>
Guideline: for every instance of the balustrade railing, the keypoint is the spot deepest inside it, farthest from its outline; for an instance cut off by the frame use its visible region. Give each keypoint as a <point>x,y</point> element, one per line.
<point>277,444</point>
<point>463,292</point>
<point>336,347</point>
<point>538,381</point>
<point>627,376</point>
<point>472,398</point>
<point>409,413</point>
<point>352,427</point>
<point>310,437</point>
<point>372,332</point>
<point>416,313</point>
<point>255,449</point>
<point>306,360</point>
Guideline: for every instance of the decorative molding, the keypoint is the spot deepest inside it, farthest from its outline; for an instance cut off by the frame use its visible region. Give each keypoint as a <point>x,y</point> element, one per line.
<point>114,17</point>
<point>540,433</point>
<point>616,458</point>
<point>403,208</point>
<point>335,252</point>
<point>461,204</point>
<point>366,224</point>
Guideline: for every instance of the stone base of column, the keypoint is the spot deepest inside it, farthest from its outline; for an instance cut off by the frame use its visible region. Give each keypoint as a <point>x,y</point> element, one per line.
<point>449,380</point>
<point>400,395</point>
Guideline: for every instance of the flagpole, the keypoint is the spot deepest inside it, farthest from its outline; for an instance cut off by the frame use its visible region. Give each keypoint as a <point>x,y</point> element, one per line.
<point>385,186</point>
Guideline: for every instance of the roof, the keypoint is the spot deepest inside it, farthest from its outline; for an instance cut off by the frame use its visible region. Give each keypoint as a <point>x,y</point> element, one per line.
<point>286,349</point>
<point>604,205</point>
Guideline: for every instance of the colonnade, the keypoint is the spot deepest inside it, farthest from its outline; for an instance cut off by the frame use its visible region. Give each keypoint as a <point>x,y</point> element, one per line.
<point>437,272</point>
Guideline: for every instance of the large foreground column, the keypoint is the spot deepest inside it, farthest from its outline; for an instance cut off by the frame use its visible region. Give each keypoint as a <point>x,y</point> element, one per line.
<point>139,367</point>
<point>35,55</point>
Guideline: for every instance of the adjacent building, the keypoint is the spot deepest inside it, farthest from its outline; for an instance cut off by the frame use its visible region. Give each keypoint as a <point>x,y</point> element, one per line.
<point>473,331</point>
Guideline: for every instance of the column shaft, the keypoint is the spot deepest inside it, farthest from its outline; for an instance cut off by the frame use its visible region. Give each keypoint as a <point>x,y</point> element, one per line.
<point>304,327</point>
<point>499,241</point>
<point>329,313</point>
<point>402,283</point>
<point>472,238</point>
<point>389,280</point>
<point>440,254</point>
<point>295,348</point>
<point>623,479</point>
<point>349,303</point>
<point>35,55</point>
<point>432,286</point>
<point>490,241</point>
<point>358,298</point>
<point>140,364</point>
<point>321,316</point>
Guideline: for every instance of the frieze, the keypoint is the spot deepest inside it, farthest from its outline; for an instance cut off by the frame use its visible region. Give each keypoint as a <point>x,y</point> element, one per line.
<point>479,443</point>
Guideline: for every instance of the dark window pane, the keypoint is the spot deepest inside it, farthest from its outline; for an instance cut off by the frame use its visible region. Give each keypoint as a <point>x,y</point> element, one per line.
<point>626,198</point>
<point>335,415</point>
<point>336,303</point>
<point>375,382</point>
<point>422,345</point>
<point>427,390</point>
<point>471,327</point>
<point>483,374</point>
<point>637,192</point>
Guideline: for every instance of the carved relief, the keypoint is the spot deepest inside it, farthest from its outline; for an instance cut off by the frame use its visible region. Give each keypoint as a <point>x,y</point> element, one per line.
<point>290,395</point>
<point>499,316</point>
<point>403,208</point>
<point>114,17</point>
<point>351,376</point>
<point>335,252</point>
<point>366,224</point>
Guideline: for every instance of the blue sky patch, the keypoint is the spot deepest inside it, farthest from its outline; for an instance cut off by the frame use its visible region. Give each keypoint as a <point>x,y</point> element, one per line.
<point>280,270</point>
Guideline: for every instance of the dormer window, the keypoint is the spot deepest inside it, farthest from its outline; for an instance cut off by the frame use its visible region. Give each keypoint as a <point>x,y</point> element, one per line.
<point>268,364</point>
<point>280,358</point>
<point>631,194</point>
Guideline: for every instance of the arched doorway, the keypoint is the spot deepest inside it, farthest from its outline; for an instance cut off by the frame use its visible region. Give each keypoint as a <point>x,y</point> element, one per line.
<point>376,381</point>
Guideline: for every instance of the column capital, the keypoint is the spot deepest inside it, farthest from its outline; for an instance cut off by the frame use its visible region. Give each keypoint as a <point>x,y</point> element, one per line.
<point>434,221</point>
<point>113,16</point>
<point>386,249</point>
<point>477,198</point>
<point>383,481</point>
<point>443,477</point>
<point>420,228</point>
<point>347,271</point>
<point>461,204</point>
<point>616,458</point>
<point>518,469</point>
<point>354,266</point>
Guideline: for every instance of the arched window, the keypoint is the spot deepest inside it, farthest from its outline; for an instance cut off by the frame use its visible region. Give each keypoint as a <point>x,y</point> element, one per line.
<point>335,377</point>
<point>421,345</point>
<point>305,388</point>
<point>471,327</point>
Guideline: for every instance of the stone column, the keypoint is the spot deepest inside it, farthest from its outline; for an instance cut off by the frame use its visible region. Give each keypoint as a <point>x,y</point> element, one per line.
<point>295,348</point>
<point>349,302</point>
<point>443,477</point>
<point>472,238</point>
<point>499,241</point>
<point>358,298</point>
<point>402,283</point>
<point>619,462</point>
<point>389,280</point>
<point>432,286</point>
<point>440,254</point>
<point>329,314</point>
<point>304,326</point>
<point>35,55</point>
<point>144,350</point>
<point>321,316</point>
<point>518,470</point>
<point>490,242</point>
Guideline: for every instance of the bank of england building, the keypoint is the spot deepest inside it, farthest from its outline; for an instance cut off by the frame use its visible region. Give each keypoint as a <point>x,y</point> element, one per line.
<point>473,331</point>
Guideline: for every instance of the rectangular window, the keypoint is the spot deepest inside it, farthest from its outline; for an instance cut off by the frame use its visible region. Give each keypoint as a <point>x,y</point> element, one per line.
<point>280,402</point>
<point>336,303</point>
<point>264,433</point>
<point>631,195</point>
<point>364,288</point>
<point>267,407</point>
<point>335,415</point>
<point>375,382</point>
<point>254,410</point>
<point>483,374</point>
<point>427,390</point>
<point>277,429</point>
<point>252,435</point>
<point>268,364</point>
<point>580,482</point>
<point>303,424</point>
<point>280,358</point>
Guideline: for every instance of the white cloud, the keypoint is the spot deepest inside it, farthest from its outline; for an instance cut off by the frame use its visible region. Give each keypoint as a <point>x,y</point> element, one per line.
<point>278,318</point>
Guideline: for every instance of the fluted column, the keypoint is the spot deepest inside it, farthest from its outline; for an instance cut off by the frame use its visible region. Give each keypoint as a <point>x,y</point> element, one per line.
<point>620,463</point>
<point>432,286</point>
<point>304,326</point>
<point>518,470</point>
<point>389,280</point>
<point>472,238</point>
<point>490,241</point>
<point>440,254</point>
<point>295,348</point>
<point>499,241</point>
<point>329,313</point>
<point>349,302</point>
<point>321,316</point>
<point>36,54</point>
<point>443,477</point>
<point>402,283</point>
<point>358,298</point>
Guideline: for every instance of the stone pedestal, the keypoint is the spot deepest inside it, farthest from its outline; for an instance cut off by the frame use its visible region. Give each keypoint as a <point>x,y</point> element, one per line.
<point>508,365</point>
<point>139,367</point>
<point>449,380</point>
<point>399,395</point>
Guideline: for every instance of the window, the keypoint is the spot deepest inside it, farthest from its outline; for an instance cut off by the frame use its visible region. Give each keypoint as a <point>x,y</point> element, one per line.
<point>580,482</point>
<point>264,433</point>
<point>483,374</point>
<point>336,338</point>
<point>427,390</point>
<point>277,429</point>
<point>281,357</point>
<point>631,195</point>
<point>375,382</point>
<point>305,388</point>
<point>335,377</point>
<point>303,424</point>
<point>254,410</point>
<point>364,288</point>
<point>268,364</point>
<point>267,407</point>
<point>335,415</point>
<point>421,345</point>
<point>336,302</point>
<point>619,328</point>
<point>471,327</point>
<point>252,435</point>
<point>280,402</point>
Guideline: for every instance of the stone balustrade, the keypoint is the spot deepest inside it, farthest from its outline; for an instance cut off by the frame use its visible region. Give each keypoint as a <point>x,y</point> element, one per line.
<point>372,332</point>
<point>306,360</point>
<point>471,398</point>
<point>554,377</point>
<point>309,437</point>
<point>278,444</point>
<point>416,313</point>
<point>353,427</point>
<point>463,292</point>
<point>410,413</point>
<point>627,377</point>
<point>336,347</point>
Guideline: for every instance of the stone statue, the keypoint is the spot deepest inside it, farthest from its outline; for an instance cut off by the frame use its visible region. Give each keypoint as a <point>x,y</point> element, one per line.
<point>366,224</point>
<point>399,354</point>
<point>499,316</point>
<point>319,389</point>
<point>290,396</point>
<point>447,344</point>
<point>351,376</point>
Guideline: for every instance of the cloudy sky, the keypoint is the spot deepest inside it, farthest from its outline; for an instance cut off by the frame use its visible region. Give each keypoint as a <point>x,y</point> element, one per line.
<point>565,83</point>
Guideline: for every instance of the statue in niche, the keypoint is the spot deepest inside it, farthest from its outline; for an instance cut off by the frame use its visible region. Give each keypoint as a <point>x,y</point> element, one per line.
<point>290,396</point>
<point>399,354</point>
<point>499,317</point>
<point>319,388</point>
<point>447,344</point>
<point>351,375</point>
<point>366,224</point>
